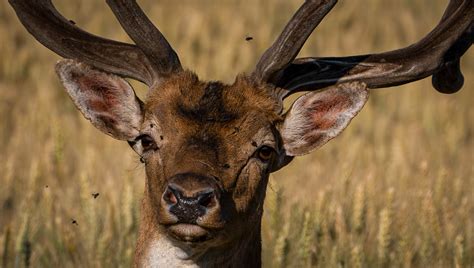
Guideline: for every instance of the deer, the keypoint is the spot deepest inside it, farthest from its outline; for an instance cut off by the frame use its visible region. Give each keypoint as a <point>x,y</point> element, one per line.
<point>208,147</point>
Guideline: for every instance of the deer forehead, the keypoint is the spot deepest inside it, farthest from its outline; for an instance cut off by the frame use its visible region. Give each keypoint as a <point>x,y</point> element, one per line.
<point>210,112</point>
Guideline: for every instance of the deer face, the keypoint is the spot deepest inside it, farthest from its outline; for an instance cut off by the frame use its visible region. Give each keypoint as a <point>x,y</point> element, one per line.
<point>208,147</point>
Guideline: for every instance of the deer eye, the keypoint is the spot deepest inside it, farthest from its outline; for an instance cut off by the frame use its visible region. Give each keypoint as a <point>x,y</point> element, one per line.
<point>265,153</point>
<point>148,143</point>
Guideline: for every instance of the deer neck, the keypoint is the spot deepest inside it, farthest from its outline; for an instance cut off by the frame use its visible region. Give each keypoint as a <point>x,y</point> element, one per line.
<point>155,249</point>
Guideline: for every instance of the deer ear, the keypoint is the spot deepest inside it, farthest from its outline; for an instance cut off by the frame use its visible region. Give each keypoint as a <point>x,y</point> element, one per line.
<point>106,100</point>
<point>317,117</point>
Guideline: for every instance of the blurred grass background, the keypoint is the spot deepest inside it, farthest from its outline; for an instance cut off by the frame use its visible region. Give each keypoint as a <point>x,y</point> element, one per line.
<point>394,190</point>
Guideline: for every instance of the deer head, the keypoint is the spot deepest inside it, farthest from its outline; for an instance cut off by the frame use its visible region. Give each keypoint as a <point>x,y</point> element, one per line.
<point>209,147</point>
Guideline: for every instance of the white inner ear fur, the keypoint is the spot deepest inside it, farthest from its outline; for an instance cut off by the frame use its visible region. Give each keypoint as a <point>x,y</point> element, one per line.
<point>317,117</point>
<point>106,100</point>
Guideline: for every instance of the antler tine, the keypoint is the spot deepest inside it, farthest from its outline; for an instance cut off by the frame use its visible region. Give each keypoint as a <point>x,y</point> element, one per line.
<point>287,46</point>
<point>449,78</point>
<point>55,32</point>
<point>147,37</point>
<point>436,54</point>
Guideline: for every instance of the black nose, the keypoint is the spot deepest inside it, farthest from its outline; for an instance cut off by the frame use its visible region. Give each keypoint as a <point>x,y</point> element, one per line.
<point>189,204</point>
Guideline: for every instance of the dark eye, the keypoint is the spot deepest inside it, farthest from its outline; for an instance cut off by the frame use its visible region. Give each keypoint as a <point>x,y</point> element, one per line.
<point>265,153</point>
<point>148,143</point>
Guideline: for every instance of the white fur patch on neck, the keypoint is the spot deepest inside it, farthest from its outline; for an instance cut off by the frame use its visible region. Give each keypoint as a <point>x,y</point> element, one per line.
<point>162,253</point>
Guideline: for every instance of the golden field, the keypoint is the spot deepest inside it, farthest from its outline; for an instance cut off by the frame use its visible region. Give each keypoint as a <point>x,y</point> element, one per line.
<point>394,190</point>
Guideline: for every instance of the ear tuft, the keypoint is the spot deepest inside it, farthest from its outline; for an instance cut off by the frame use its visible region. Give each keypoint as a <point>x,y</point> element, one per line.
<point>106,100</point>
<point>317,117</point>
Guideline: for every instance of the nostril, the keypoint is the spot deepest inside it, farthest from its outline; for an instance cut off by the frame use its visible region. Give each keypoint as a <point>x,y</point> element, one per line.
<point>207,200</point>
<point>170,197</point>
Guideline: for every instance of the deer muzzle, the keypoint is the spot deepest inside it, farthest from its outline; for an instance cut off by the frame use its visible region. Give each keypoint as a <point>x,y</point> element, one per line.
<point>193,201</point>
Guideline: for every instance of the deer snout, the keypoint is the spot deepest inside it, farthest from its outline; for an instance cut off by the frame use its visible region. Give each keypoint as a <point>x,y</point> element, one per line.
<point>190,197</point>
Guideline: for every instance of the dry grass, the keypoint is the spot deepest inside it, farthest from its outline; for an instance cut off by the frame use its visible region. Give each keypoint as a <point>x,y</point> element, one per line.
<point>394,190</point>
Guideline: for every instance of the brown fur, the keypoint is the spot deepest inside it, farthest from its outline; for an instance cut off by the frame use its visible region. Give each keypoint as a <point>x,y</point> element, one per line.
<point>200,137</point>
<point>213,129</point>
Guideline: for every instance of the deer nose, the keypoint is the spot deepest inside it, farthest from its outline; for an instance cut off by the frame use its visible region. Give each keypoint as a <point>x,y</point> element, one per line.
<point>188,201</point>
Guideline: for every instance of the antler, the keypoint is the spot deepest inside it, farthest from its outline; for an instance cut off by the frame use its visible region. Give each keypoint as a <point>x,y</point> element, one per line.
<point>437,54</point>
<point>449,78</point>
<point>147,37</point>
<point>291,40</point>
<point>142,63</point>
